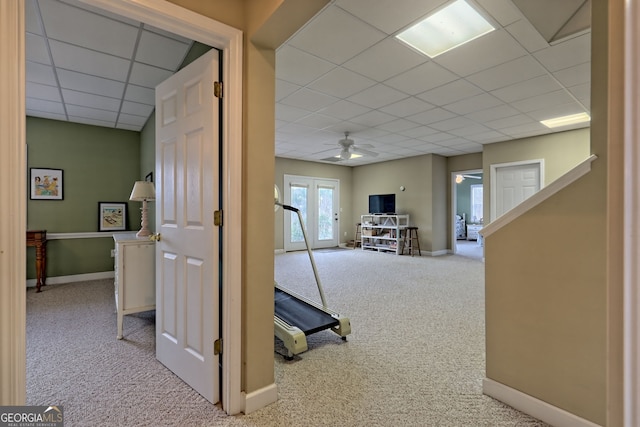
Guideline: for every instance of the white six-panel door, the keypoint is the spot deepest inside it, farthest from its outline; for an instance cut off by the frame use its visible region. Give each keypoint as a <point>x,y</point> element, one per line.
<point>187,278</point>
<point>514,183</point>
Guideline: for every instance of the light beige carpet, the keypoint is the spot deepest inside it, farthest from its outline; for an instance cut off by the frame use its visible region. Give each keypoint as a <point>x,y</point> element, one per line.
<point>415,356</point>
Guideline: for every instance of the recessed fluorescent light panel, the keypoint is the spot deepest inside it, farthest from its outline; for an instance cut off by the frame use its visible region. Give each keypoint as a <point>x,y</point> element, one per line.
<point>448,28</point>
<point>566,120</point>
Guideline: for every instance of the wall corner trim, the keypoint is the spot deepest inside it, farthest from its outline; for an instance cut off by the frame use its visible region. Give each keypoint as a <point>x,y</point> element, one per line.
<point>530,405</point>
<point>260,398</point>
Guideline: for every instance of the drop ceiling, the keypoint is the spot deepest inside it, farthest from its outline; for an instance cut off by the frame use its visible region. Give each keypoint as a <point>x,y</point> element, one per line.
<point>344,71</point>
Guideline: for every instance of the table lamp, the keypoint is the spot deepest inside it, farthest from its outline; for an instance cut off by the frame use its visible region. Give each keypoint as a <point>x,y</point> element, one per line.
<point>143,191</point>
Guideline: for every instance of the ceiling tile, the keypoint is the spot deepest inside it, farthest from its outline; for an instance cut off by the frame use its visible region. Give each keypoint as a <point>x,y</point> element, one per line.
<point>421,78</point>
<point>503,11</point>
<point>516,71</point>
<point>398,125</point>
<point>49,93</point>
<point>290,114</point>
<point>45,106</point>
<point>407,106</point>
<point>32,17</point>
<point>452,123</point>
<point>390,16</point>
<point>450,92</point>
<point>344,109</point>
<point>148,76</point>
<point>509,122</point>
<point>38,73</point>
<point>377,96</point>
<point>90,84</point>
<point>284,89</point>
<point>325,36</point>
<point>385,60</point>
<point>137,109</point>
<point>526,89</point>
<point>341,83</point>
<point>79,27</point>
<point>497,112</point>
<point>567,54</point>
<point>92,121</point>
<point>431,116</point>
<point>494,48</point>
<point>36,49</point>
<point>130,119</point>
<point>543,101</point>
<point>45,115</point>
<point>318,121</point>
<point>143,95</point>
<point>527,36</point>
<point>90,100</point>
<point>474,103</point>
<point>298,67</point>
<point>308,100</point>
<point>92,113</point>
<point>373,118</point>
<point>161,51</point>
<point>574,75</point>
<point>87,61</point>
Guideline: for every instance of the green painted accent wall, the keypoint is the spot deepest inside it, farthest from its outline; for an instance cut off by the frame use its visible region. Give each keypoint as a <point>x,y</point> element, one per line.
<point>99,164</point>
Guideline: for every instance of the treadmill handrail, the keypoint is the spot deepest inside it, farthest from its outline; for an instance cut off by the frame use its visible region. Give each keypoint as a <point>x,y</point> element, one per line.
<point>306,242</point>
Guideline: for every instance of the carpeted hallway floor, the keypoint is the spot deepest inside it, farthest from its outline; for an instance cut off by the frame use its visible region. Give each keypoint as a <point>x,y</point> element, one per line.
<point>415,356</point>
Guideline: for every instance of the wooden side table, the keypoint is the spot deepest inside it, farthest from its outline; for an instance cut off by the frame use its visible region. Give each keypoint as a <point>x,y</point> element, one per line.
<point>38,238</point>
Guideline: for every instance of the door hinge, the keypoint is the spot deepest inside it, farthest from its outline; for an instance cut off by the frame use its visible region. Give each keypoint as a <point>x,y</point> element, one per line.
<point>217,89</point>
<point>217,218</point>
<point>217,347</point>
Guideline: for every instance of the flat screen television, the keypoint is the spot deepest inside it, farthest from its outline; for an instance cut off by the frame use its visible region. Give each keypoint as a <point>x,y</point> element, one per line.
<point>382,203</point>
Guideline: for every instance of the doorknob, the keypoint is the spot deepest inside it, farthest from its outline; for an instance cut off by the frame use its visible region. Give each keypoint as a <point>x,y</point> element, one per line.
<point>156,237</point>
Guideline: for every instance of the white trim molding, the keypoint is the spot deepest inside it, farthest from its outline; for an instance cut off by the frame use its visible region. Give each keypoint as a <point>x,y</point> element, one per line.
<point>260,398</point>
<point>13,190</point>
<point>535,407</point>
<point>57,280</point>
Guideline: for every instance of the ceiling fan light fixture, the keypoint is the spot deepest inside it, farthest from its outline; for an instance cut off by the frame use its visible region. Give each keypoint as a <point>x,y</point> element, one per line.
<point>345,154</point>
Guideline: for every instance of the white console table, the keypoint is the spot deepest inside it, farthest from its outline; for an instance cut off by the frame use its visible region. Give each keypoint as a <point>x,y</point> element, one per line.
<point>135,284</point>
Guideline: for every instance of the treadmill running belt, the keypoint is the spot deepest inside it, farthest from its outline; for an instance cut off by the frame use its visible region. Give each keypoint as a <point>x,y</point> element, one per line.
<point>307,318</point>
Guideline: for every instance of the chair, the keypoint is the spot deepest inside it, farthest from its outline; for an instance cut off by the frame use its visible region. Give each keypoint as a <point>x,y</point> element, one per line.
<point>358,240</point>
<point>411,241</point>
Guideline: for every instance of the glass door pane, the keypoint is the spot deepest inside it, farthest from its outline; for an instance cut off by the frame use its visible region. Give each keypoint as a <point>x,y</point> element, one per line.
<point>325,213</point>
<point>298,200</point>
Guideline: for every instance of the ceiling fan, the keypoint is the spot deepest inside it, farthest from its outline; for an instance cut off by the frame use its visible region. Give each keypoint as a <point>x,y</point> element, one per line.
<point>349,148</point>
<point>460,178</point>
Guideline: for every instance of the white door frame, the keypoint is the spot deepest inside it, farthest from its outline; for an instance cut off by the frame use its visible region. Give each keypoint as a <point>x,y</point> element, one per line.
<point>454,204</point>
<point>169,17</point>
<point>493,173</point>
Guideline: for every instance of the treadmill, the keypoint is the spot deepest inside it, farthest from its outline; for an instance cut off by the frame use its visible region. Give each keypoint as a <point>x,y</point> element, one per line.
<point>296,317</point>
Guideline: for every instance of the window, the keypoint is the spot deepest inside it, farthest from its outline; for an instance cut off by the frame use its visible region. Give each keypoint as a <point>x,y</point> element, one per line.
<point>476,203</point>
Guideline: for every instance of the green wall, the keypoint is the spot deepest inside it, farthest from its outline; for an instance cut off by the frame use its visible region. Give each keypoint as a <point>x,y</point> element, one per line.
<point>99,164</point>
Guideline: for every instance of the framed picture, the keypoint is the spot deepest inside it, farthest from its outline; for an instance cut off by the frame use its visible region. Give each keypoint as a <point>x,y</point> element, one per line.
<point>45,184</point>
<point>149,177</point>
<point>112,216</point>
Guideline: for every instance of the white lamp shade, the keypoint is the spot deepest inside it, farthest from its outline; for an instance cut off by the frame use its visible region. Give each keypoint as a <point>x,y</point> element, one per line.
<point>143,190</point>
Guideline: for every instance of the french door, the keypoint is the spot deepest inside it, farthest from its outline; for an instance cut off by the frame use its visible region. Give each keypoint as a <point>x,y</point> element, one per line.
<point>318,200</point>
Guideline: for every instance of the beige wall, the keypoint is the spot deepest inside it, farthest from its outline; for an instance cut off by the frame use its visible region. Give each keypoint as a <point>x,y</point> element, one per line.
<point>553,276</point>
<point>320,170</point>
<point>424,198</point>
<point>252,16</point>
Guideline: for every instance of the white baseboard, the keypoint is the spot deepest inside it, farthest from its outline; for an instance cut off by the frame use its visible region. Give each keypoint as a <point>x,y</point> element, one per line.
<point>260,398</point>
<point>75,278</point>
<point>535,407</point>
<point>279,251</point>
<point>437,253</point>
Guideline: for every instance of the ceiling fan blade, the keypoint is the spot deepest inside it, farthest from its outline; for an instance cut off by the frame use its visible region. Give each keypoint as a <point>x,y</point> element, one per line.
<point>363,151</point>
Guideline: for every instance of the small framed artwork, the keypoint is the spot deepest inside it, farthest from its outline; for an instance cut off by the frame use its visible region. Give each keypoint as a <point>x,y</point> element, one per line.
<point>45,184</point>
<point>112,216</point>
<point>149,177</point>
